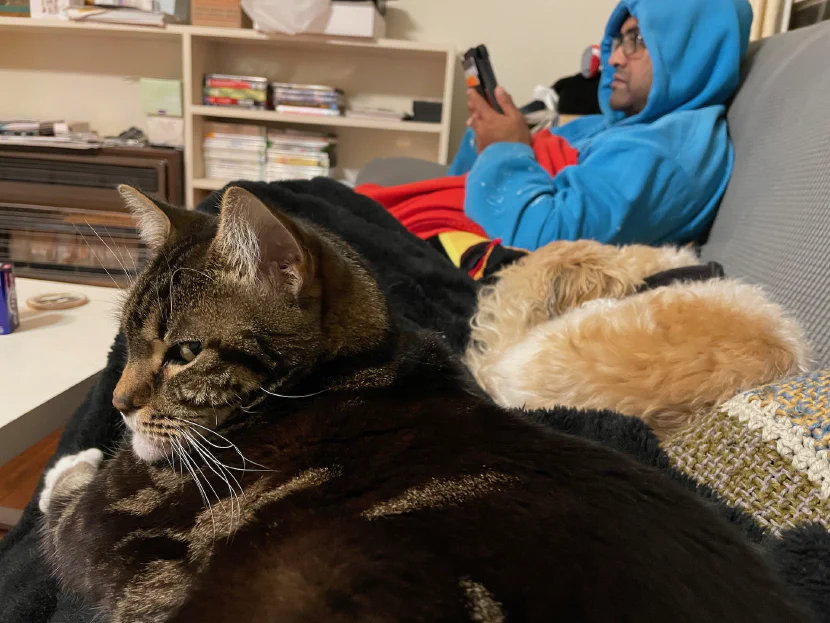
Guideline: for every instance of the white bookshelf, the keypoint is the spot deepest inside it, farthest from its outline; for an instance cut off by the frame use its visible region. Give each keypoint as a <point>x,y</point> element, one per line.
<point>89,72</point>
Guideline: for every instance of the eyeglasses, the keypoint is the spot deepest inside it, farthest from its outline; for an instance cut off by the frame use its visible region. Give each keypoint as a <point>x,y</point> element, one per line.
<point>632,43</point>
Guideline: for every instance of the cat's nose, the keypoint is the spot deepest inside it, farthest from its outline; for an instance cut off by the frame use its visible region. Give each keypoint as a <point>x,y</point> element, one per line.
<point>124,403</point>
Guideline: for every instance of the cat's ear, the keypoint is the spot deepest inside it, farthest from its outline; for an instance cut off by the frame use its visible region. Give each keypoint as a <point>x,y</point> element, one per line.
<point>255,243</point>
<point>158,224</point>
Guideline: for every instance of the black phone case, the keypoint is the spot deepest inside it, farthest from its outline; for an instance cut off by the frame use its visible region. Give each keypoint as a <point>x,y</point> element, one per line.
<point>479,57</point>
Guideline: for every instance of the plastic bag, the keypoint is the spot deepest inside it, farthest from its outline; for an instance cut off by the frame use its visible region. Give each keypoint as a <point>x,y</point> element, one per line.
<point>285,16</point>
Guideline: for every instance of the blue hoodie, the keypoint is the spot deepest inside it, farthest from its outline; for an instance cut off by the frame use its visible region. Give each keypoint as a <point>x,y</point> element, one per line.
<point>652,178</point>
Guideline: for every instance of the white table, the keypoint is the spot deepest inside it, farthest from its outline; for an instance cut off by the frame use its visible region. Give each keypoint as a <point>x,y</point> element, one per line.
<point>49,363</point>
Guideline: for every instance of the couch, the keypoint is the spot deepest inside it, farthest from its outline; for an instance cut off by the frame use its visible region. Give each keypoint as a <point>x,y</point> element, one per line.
<point>773,225</point>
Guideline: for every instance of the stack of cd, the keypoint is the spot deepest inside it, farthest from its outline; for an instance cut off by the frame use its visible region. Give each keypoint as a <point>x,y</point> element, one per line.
<point>230,90</point>
<point>293,154</point>
<point>234,151</point>
<point>306,99</point>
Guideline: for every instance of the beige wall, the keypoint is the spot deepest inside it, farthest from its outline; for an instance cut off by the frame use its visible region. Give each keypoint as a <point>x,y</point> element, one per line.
<point>530,41</point>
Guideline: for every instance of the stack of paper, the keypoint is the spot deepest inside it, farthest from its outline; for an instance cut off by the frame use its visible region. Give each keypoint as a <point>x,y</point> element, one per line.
<point>249,152</point>
<point>135,12</point>
<point>234,151</point>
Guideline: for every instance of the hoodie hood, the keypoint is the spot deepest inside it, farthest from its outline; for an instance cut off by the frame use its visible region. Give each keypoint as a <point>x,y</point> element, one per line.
<point>696,48</point>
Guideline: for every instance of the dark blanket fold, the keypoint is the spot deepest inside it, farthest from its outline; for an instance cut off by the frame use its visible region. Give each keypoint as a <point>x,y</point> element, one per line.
<point>426,292</point>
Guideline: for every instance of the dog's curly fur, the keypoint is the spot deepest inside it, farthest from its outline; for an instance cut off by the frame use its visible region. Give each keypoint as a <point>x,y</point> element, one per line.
<point>566,326</point>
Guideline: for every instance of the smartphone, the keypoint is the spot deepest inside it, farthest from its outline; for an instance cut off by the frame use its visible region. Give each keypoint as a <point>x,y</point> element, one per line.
<point>479,74</point>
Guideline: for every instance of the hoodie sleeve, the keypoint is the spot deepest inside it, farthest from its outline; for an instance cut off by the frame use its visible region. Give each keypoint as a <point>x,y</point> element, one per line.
<point>466,156</point>
<point>623,190</point>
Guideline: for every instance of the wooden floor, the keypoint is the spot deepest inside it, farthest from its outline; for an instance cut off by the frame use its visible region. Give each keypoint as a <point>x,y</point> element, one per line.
<point>19,477</point>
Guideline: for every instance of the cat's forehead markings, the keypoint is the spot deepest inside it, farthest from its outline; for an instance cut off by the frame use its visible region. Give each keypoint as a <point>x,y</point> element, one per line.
<point>159,350</point>
<point>149,326</point>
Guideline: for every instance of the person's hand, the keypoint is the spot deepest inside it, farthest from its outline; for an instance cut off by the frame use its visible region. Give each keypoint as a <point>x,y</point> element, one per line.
<point>492,127</point>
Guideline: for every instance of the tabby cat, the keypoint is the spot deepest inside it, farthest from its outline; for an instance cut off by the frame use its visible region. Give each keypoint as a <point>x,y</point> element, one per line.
<point>295,457</point>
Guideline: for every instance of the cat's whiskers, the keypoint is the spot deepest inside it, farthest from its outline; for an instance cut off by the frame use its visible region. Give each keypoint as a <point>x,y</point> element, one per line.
<point>223,474</point>
<point>192,468</point>
<point>245,460</point>
<point>171,460</point>
<point>293,397</point>
<point>158,296</point>
<point>228,467</point>
<point>203,451</point>
<point>173,276</point>
<point>129,255</point>
<point>117,258</point>
<point>114,282</point>
<point>226,440</point>
<point>253,403</point>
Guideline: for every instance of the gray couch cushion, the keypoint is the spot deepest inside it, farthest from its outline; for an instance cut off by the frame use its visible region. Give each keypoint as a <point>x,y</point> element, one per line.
<point>394,171</point>
<point>773,226</point>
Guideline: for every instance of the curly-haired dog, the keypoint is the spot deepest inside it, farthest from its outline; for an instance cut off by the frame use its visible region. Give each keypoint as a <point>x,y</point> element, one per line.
<point>569,325</point>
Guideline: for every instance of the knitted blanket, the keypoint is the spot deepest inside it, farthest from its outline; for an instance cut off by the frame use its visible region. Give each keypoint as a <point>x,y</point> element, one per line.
<point>426,291</point>
<point>766,452</point>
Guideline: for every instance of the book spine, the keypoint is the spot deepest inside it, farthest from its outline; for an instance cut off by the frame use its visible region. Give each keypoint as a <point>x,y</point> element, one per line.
<point>247,94</point>
<point>304,110</point>
<point>224,83</point>
<point>229,101</point>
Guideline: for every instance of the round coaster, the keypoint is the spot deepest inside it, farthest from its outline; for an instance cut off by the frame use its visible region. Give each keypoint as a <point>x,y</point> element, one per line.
<point>60,300</point>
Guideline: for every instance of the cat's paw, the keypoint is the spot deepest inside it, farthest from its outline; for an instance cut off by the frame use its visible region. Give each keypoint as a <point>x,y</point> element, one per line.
<point>91,456</point>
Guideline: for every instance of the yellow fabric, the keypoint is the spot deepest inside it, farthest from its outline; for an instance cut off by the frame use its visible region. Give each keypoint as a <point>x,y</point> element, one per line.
<point>455,243</point>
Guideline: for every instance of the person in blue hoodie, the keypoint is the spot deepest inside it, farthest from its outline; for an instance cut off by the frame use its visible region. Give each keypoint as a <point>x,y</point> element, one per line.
<point>652,168</point>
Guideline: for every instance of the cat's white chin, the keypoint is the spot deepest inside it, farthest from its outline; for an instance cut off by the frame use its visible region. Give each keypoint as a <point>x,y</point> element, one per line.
<point>150,450</point>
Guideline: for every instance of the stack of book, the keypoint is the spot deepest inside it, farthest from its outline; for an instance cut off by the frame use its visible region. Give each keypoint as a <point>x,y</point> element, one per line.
<point>307,99</point>
<point>234,151</point>
<point>249,152</point>
<point>293,154</point>
<point>231,90</point>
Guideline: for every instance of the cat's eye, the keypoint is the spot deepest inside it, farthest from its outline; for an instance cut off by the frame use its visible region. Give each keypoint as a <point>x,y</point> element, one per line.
<point>190,350</point>
<point>184,352</point>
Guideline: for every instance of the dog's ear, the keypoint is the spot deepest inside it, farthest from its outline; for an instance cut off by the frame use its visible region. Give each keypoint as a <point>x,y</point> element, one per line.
<point>582,271</point>
<point>576,284</point>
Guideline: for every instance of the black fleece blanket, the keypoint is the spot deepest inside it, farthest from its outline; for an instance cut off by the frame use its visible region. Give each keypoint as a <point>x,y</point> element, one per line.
<point>425,292</point>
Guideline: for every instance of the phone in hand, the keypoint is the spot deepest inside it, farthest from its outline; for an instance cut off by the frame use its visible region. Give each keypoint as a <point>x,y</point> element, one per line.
<point>479,75</point>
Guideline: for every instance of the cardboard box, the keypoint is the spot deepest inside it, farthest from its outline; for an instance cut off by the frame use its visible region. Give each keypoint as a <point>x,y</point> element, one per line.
<point>219,13</point>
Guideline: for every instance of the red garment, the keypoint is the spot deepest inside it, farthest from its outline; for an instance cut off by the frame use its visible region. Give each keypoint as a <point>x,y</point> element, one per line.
<point>436,206</point>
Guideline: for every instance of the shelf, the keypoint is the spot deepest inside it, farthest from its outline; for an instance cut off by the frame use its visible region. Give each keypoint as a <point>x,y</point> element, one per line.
<point>83,28</point>
<point>331,122</point>
<point>220,34</point>
<point>249,34</point>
